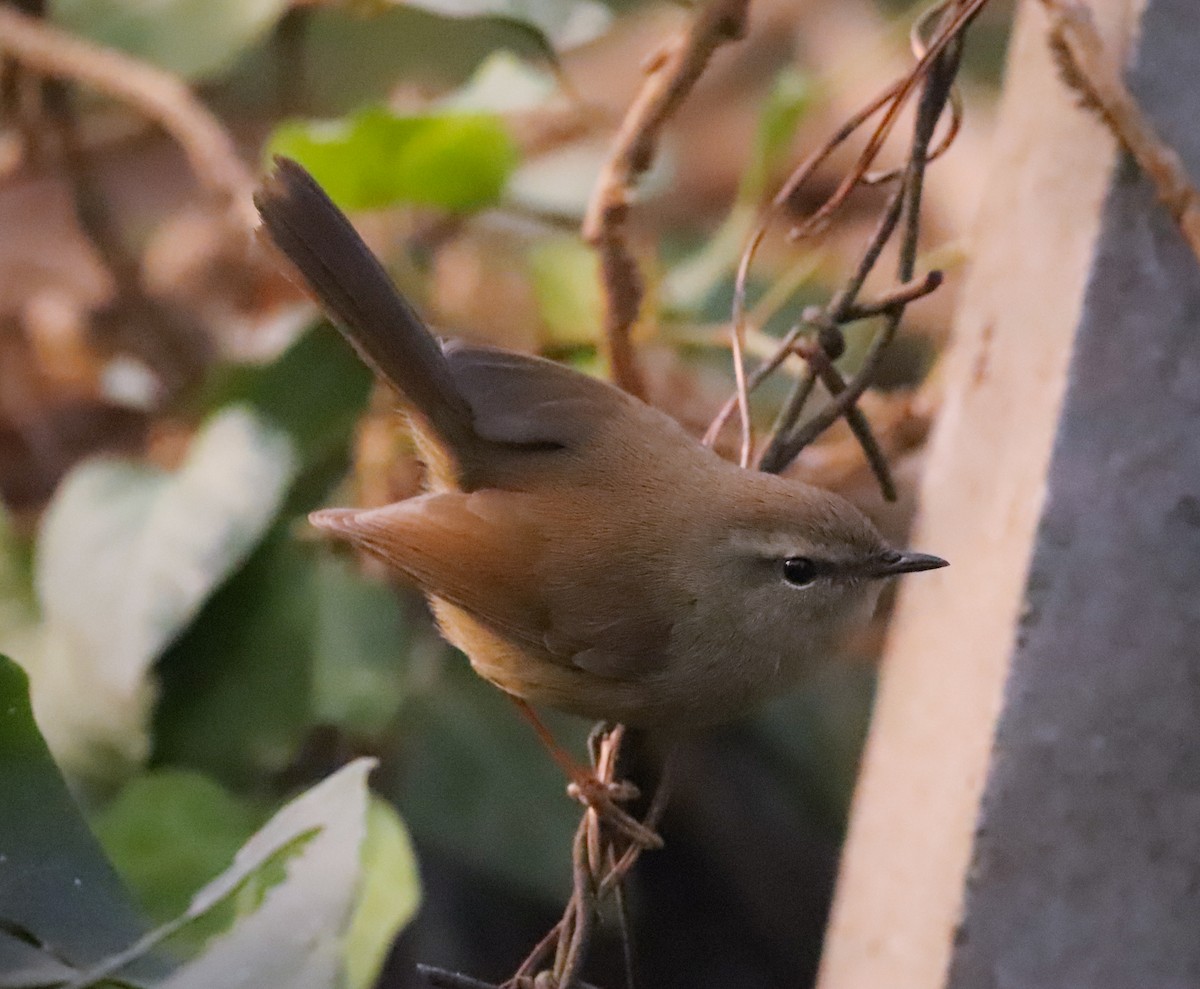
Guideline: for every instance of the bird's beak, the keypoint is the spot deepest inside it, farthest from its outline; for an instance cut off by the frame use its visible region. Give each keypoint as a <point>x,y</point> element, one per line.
<point>894,562</point>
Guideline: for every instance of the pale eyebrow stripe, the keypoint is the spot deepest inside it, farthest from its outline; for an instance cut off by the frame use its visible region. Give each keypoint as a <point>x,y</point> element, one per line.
<point>779,544</point>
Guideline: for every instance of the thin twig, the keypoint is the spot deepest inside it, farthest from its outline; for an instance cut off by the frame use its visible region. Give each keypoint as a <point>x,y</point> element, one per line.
<point>574,949</point>
<point>961,15</point>
<point>800,175</point>
<point>1096,76</point>
<point>820,359</point>
<point>625,930</point>
<point>925,54</point>
<point>775,458</point>
<point>822,368</point>
<point>658,807</point>
<point>902,295</point>
<point>847,295</point>
<point>671,76</point>
<point>785,349</point>
<point>919,48</point>
<point>158,95</point>
<point>440,978</point>
<point>933,99</point>
<point>534,959</point>
<point>601,859</point>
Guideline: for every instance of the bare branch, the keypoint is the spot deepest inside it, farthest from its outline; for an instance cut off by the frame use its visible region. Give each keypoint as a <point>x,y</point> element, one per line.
<point>158,95</point>
<point>901,295</point>
<point>933,100</point>
<point>440,978</point>
<point>671,74</point>
<point>933,74</point>
<point>602,855</point>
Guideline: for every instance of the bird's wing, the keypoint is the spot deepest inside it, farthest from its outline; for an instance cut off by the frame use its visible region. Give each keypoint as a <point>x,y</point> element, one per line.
<point>520,400</point>
<point>626,644</point>
<point>610,612</point>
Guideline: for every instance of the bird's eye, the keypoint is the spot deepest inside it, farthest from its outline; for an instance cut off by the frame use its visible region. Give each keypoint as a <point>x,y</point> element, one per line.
<point>799,570</point>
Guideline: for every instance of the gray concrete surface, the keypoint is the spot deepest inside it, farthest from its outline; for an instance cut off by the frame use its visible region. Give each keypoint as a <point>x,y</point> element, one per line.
<point>1086,866</point>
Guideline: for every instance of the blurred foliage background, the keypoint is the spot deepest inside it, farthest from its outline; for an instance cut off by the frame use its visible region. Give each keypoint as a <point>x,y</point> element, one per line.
<point>171,408</point>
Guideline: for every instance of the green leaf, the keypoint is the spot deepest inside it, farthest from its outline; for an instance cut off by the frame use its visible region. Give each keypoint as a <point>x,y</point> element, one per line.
<point>331,873</point>
<point>169,832</point>
<point>196,39</point>
<point>388,898</point>
<point>127,556</point>
<point>375,158</point>
<point>561,23</point>
<point>55,884</point>
<point>566,280</point>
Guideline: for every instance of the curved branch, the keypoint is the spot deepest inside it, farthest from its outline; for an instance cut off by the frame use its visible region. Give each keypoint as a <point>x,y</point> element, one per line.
<point>670,77</point>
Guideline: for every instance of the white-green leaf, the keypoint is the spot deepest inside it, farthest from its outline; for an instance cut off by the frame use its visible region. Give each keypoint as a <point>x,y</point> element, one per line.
<point>295,938</point>
<point>293,935</point>
<point>167,833</point>
<point>127,556</point>
<point>195,38</point>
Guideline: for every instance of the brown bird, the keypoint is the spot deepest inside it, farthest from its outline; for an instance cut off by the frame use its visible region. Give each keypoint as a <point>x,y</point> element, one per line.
<point>579,546</point>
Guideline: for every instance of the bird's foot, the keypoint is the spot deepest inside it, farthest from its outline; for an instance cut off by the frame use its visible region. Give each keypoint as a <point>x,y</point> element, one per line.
<point>605,799</point>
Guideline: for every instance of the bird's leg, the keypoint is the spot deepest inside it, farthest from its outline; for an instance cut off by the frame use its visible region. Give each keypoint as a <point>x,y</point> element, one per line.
<point>599,795</point>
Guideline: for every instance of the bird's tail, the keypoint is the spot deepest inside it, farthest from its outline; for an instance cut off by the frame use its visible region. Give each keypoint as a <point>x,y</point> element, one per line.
<point>352,286</point>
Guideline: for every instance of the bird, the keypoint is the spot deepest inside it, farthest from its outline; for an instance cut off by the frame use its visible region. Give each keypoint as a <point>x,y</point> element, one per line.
<point>583,550</point>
